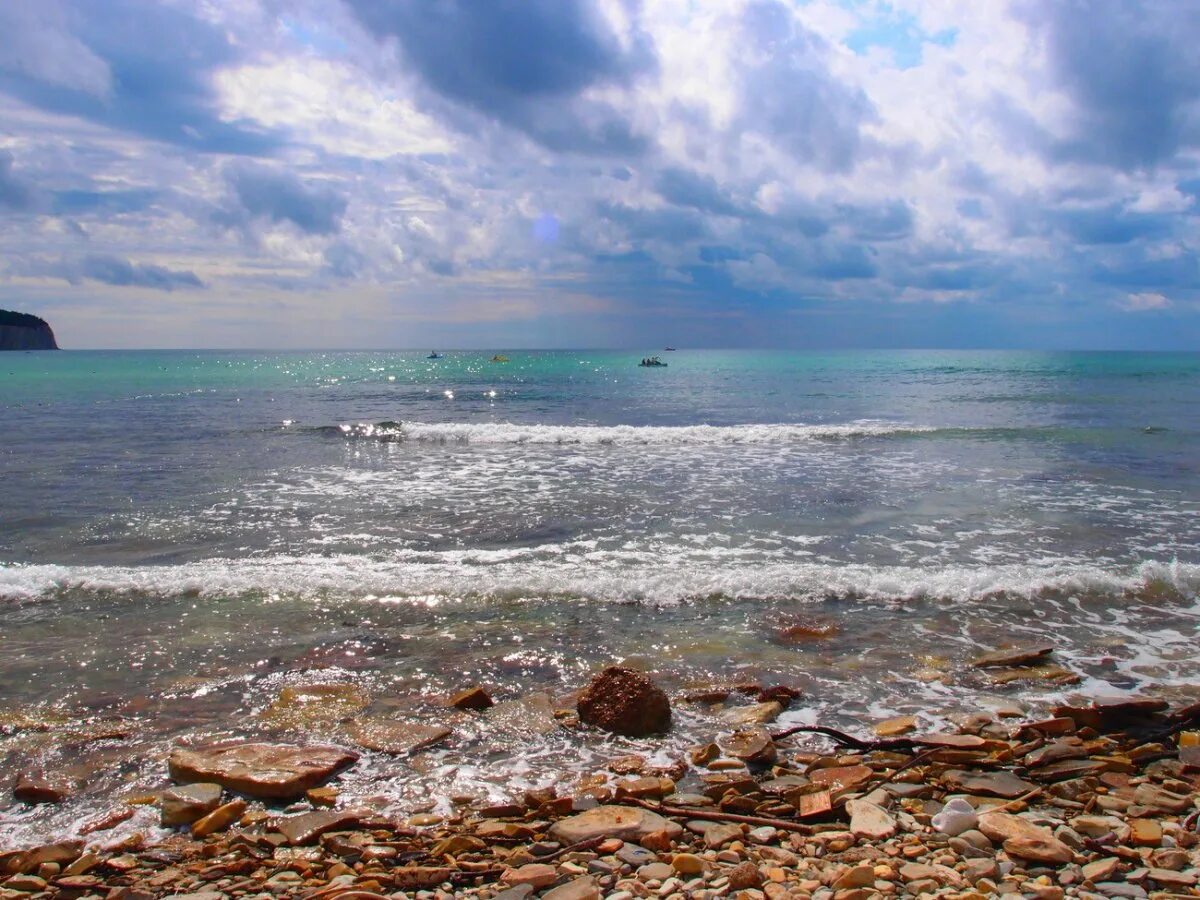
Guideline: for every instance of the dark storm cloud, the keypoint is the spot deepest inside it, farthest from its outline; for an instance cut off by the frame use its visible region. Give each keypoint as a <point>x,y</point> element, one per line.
<point>279,196</point>
<point>114,270</point>
<point>117,271</point>
<point>1112,225</point>
<point>15,194</point>
<point>790,96</point>
<point>1133,72</point>
<point>702,192</point>
<point>150,71</point>
<point>521,62</point>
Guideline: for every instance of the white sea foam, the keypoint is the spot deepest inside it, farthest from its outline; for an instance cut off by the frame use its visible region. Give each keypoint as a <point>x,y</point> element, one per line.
<point>576,570</point>
<point>511,433</point>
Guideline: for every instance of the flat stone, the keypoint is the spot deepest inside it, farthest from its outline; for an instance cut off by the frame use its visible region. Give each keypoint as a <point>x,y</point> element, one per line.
<point>536,875</point>
<point>186,804</point>
<point>585,888</point>
<point>855,877</point>
<point>1002,826</point>
<point>751,745</point>
<point>841,778</point>
<point>1159,799</point>
<point>1015,656</point>
<point>867,820</point>
<point>306,828</point>
<point>1052,673</point>
<point>627,823</point>
<point>635,856</point>
<point>270,771</point>
<point>754,714</point>
<point>950,740</point>
<point>719,834</point>
<point>1101,869</point>
<point>312,706</point>
<point>1145,832</point>
<point>1039,849</point>
<point>655,871</point>
<point>895,726</point>
<point>990,784</point>
<point>219,819</point>
<point>395,736</point>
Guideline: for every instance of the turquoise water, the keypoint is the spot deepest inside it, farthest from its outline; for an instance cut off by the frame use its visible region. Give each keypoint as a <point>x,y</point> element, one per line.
<point>183,533</point>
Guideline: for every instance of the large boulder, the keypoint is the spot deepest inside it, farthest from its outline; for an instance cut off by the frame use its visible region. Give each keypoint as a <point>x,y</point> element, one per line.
<point>270,771</point>
<point>626,702</point>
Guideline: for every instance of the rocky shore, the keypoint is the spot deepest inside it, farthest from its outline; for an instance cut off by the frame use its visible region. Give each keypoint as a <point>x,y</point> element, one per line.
<point>1093,800</point>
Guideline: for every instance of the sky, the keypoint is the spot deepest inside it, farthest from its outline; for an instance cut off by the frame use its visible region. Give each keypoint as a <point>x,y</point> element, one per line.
<point>531,173</point>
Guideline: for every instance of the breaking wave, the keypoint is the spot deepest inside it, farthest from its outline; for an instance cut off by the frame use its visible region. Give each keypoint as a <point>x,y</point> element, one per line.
<point>573,572</point>
<point>510,433</point>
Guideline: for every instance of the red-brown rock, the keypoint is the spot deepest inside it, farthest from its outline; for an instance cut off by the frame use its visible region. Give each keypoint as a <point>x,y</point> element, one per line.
<point>34,788</point>
<point>626,702</point>
<point>271,771</point>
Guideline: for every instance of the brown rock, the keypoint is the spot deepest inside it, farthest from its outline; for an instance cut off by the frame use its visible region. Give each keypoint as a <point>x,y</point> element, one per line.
<point>1145,832</point>
<point>584,888</point>
<point>188,803</point>
<point>1039,849</point>
<point>627,823</point>
<point>34,788</point>
<point>306,828</point>
<point>472,698</point>
<point>274,771</point>
<point>527,716</point>
<point>841,778</point>
<point>989,784</point>
<point>105,821</point>
<point>868,820</point>
<point>322,796</point>
<point>1101,869</point>
<point>1002,826</point>
<point>415,878</point>
<point>536,875</point>
<point>803,629</point>
<point>896,726</point>
<point>313,706</point>
<point>395,736</point>
<point>754,714</point>
<point>626,702</point>
<point>744,876</point>
<point>219,819</point>
<point>751,745</point>
<point>1016,656</point>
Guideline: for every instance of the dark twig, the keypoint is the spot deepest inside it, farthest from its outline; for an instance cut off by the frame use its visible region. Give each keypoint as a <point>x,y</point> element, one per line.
<point>711,815</point>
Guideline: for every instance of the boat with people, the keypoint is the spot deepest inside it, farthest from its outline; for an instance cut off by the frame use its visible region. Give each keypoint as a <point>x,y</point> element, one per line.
<point>433,354</point>
<point>653,362</point>
<point>499,357</point>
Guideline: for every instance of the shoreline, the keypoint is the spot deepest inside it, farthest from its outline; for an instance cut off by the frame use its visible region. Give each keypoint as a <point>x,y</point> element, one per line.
<point>1093,801</point>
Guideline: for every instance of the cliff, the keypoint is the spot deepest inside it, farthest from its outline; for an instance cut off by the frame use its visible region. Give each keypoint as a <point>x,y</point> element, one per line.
<point>21,331</point>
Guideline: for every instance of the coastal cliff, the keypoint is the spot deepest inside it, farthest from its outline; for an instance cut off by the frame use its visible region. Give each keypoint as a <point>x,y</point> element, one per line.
<point>21,331</point>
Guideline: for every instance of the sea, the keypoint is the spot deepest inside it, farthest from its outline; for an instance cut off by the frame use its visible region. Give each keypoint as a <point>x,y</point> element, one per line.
<point>184,535</point>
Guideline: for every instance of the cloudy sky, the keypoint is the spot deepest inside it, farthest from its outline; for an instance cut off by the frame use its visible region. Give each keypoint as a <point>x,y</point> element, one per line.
<point>519,173</point>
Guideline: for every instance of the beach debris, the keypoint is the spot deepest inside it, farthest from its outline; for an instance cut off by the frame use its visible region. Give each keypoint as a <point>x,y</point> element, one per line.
<point>625,701</point>
<point>955,817</point>
<point>276,771</point>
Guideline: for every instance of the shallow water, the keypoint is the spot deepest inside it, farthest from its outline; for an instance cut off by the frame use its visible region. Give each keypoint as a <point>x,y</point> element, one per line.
<point>182,534</point>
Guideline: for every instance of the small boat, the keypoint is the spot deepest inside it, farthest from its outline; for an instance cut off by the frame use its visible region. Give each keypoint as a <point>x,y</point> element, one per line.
<point>433,354</point>
<point>669,349</point>
<point>499,358</point>
<point>653,362</point>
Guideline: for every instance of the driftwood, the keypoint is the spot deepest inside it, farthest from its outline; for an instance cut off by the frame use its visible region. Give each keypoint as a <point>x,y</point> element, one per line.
<point>848,740</point>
